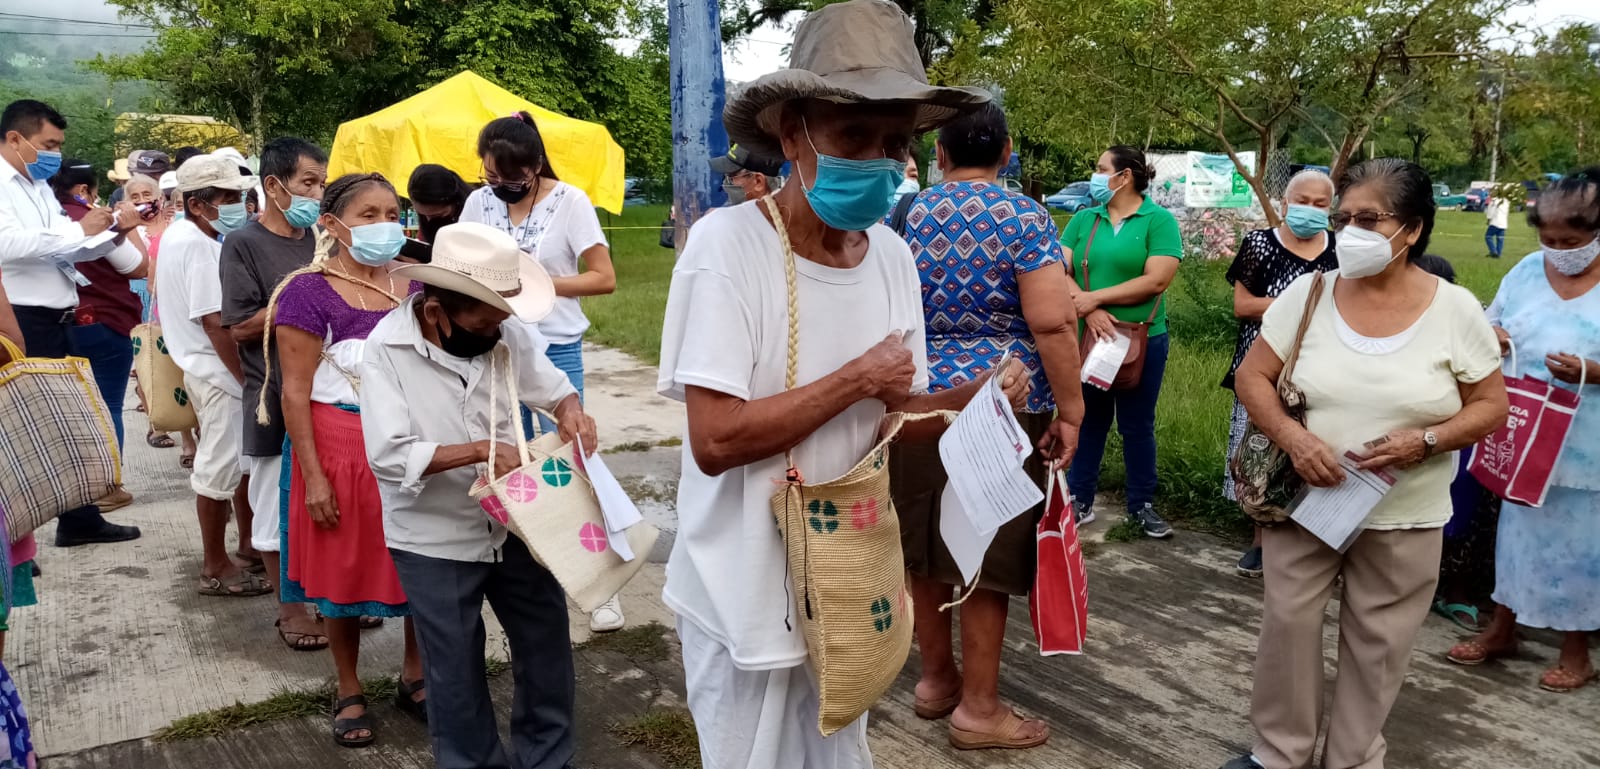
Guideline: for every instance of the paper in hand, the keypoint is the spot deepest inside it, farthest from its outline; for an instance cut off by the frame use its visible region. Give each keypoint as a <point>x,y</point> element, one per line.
<point>620,512</point>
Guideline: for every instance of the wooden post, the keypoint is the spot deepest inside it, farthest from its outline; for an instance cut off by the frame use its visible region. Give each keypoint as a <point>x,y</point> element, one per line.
<point>698,96</point>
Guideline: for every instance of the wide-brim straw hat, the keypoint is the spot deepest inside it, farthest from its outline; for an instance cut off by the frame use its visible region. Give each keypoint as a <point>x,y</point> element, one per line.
<point>485,263</point>
<point>855,52</point>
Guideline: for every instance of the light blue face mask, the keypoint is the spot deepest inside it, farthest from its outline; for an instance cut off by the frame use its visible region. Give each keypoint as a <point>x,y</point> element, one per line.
<point>1306,221</point>
<point>852,195</point>
<point>230,217</point>
<point>302,211</point>
<point>1100,189</point>
<point>375,245</point>
<point>45,164</point>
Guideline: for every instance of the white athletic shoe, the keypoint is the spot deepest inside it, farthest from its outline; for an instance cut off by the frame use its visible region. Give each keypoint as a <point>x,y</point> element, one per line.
<point>608,618</point>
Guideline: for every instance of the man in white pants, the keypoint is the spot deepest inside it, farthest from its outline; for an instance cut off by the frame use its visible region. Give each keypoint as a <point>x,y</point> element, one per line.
<point>189,296</point>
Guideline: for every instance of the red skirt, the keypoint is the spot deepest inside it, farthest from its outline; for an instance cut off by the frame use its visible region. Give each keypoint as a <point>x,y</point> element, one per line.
<point>348,565</point>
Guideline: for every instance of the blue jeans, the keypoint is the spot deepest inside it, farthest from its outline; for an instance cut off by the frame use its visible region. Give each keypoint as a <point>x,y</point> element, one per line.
<point>1135,413</point>
<point>568,358</point>
<point>111,358</point>
<point>1495,238</point>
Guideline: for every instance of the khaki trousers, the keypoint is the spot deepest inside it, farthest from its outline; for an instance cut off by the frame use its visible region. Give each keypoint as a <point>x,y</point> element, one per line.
<point>1389,577</point>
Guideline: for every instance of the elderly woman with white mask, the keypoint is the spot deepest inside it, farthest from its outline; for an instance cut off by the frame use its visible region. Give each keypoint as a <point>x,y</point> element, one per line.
<point>1399,369</point>
<point>1268,261</point>
<point>845,114</point>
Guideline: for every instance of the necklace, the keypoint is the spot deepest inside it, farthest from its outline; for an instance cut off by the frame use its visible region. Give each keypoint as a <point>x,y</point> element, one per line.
<point>361,297</point>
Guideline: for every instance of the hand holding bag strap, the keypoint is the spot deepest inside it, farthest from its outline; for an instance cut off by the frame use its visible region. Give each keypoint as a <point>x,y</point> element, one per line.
<point>11,348</point>
<point>1287,376</point>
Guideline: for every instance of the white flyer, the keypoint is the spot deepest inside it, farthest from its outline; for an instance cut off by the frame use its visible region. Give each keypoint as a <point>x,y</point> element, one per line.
<point>983,453</point>
<point>966,544</point>
<point>1336,514</point>
<point>620,512</point>
<point>1104,359</point>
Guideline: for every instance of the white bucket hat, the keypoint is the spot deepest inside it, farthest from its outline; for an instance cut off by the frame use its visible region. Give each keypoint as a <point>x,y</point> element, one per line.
<point>485,263</point>
<point>855,52</point>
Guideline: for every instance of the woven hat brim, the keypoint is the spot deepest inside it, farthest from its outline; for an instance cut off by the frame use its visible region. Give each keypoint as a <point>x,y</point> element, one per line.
<point>532,304</point>
<point>751,119</point>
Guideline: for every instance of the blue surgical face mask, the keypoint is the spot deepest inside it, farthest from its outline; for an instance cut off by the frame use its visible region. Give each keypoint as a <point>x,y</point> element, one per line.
<point>852,195</point>
<point>1306,221</point>
<point>1100,189</point>
<point>302,211</point>
<point>375,245</point>
<point>230,217</point>
<point>45,163</point>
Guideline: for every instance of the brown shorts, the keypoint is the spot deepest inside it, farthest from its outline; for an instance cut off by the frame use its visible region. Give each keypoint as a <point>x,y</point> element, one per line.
<point>917,479</point>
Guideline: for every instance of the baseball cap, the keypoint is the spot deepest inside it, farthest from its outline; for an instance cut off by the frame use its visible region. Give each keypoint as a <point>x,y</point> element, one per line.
<point>152,163</point>
<point>740,159</point>
<point>168,181</point>
<point>218,171</point>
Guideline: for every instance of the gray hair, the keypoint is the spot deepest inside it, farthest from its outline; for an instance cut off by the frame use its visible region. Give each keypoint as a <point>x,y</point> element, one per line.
<point>1309,176</point>
<point>141,180</point>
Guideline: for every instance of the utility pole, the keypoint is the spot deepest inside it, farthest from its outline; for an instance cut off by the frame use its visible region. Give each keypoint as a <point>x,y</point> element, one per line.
<point>1494,147</point>
<point>698,96</point>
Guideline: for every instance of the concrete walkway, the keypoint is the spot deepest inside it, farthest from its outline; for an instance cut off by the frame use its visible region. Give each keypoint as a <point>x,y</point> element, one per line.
<point>121,645</point>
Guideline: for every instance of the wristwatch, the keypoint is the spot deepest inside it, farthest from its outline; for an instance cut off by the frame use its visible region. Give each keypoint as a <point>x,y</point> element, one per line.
<point>1430,441</point>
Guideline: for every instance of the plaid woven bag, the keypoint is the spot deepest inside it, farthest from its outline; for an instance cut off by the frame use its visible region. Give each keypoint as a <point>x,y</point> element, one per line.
<point>60,450</point>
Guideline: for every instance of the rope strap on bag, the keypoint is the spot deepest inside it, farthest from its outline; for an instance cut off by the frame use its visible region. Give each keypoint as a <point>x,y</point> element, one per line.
<point>793,499</point>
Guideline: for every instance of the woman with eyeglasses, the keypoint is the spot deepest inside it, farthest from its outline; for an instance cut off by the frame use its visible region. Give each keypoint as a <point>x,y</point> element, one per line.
<point>555,224</point>
<point>1399,369</point>
<point>1547,559</point>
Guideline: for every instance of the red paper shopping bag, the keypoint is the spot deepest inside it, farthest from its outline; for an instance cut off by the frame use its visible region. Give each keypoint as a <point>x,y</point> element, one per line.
<point>1059,602</point>
<point>1517,461</point>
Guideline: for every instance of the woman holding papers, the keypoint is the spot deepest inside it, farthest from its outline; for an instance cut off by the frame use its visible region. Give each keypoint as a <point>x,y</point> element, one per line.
<point>1399,369</point>
<point>334,553</point>
<point>1547,559</point>
<point>991,276</point>
<point>1123,253</point>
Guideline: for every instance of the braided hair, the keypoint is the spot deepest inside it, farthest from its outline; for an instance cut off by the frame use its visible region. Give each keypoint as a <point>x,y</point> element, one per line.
<point>336,197</point>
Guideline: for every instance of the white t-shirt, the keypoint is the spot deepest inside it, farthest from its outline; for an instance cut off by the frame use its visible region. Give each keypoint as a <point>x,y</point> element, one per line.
<point>1353,397</point>
<point>726,330</point>
<point>557,231</point>
<point>1499,212</point>
<point>188,288</point>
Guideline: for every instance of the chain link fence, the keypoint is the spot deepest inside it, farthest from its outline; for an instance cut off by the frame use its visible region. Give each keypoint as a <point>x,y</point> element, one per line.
<point>1212,233</point>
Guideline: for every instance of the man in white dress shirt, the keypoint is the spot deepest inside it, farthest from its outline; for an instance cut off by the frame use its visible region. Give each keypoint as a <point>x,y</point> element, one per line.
<point>39,245</point>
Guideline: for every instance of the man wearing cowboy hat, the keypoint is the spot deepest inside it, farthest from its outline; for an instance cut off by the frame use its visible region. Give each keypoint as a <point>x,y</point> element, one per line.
<point>425,388</point>
<point>845,115</point>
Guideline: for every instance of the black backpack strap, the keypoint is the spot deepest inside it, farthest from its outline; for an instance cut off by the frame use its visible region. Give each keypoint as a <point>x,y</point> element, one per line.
<point>897,220</point>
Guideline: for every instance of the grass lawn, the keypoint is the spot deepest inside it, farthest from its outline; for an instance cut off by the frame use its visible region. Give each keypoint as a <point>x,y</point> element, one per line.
<point>1192,423</point>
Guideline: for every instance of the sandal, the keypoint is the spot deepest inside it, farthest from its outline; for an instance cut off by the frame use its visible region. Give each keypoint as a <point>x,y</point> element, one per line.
<point>186,461</point>
<point>933,710</point>
<point>297,641</point>
<point>370,623</point>
<point>342,727</point>
<point>1473,652</point>
<point>1006,737</point>
<point>1561,680</point>
<point>159,440</point>
<point>253,565</point>
<point>405,699</point>
<point>1464,615</point>
<point>241,585</point>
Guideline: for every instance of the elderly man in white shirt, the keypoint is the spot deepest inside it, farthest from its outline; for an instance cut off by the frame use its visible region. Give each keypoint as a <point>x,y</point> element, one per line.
<point>39,245</point>
<point>189,295</point>
<point>426,375</point>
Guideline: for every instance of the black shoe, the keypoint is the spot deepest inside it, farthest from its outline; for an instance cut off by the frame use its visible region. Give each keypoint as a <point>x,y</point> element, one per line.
<point>1083,512</point>
<point>1250,563</point>
<point>1154,527</point>
<point>1242,762</point>
<point>107,533</point>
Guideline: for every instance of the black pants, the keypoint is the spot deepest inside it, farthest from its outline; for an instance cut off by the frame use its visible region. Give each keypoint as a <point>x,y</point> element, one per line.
<point>47,333</point>
<point>446,599</point>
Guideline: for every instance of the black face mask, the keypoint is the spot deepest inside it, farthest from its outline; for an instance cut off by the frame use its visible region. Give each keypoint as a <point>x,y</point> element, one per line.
<point>466,344</point>
<point>148,211</point>
<point>511,192</point>
<point>428,226</point>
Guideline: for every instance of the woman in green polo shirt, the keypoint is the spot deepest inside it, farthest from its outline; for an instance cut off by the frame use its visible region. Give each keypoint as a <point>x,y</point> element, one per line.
<point>1123,253</point>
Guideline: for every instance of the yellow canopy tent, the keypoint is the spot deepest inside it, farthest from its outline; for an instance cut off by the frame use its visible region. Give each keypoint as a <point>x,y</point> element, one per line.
<point>441,125</point>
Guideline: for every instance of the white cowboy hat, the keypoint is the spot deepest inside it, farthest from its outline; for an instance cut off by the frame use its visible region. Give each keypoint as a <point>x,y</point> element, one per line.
<point>485,263</point>
<point>855,52</point>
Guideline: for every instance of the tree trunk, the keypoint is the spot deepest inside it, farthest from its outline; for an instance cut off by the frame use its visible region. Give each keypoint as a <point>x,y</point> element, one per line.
<point>1352,142</point>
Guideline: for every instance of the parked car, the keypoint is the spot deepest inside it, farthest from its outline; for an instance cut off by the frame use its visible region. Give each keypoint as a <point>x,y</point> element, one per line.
<point>1476,200</point>
<point>1442,198</point>
<point>1071,199</point>
<point>634,192</point>
<point>1012,185</point>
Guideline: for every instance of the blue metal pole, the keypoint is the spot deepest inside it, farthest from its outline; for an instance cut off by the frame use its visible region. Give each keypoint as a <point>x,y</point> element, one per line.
<point>698,95</point>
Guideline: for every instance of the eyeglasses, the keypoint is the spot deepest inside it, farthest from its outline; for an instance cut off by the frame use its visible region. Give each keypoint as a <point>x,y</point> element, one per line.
<point>1366,220</point>
<point>495,181</point>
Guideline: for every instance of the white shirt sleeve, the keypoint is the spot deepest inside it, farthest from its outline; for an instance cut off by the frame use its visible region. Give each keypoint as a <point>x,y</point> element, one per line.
<point>540,385</point>
<point>1282,319</point>
<point>583,230</point>
<point>396,454</point>
<point>204,280</point>
<point>709,337</point>
<point>1475,353</point>
<point>21,237</point>
<point>472,209</point>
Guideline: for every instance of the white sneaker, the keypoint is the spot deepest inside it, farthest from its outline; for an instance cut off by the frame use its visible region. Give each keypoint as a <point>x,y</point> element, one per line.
<point>608,618</point>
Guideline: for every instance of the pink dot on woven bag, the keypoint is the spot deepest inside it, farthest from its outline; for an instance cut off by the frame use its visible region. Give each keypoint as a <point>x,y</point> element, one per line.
<point>864,515</point>
<point>593,538</point>
<point>521,487</point>
<point>494,509</point>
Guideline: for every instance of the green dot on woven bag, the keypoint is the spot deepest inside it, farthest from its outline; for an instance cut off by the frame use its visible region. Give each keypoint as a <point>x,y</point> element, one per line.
<point>180,396</point>
<point>161,344</point>
<point>824,517</point>
<point>556,472</point>
<point>137,343</point>
<point>882,615</point>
